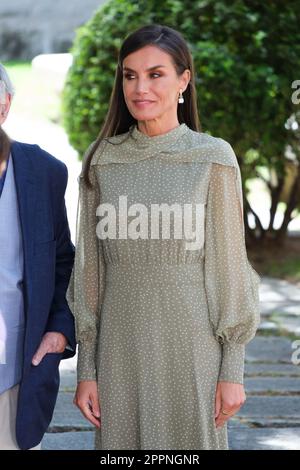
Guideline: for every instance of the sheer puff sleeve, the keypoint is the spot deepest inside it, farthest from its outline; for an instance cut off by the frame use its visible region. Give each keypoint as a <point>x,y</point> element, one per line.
<point>87,281</point>
<point>232,285</point>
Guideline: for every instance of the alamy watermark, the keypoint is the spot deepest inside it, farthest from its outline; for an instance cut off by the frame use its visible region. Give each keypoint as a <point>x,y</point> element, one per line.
<point>185,217</point>
<point>296,353</point>
<point>296,93</point>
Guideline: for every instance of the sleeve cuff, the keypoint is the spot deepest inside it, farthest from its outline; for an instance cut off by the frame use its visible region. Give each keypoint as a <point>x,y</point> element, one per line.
<point>233,363</point>
<point>86,365</point>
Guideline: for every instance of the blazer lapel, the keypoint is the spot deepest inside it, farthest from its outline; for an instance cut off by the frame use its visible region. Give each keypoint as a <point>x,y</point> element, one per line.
<point>27,198</point>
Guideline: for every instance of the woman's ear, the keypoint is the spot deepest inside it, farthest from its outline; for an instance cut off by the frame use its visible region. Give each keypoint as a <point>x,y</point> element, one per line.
<point>185,79</point>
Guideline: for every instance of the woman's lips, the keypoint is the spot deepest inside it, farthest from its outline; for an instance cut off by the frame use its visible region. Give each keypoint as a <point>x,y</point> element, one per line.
<point>143,103</point>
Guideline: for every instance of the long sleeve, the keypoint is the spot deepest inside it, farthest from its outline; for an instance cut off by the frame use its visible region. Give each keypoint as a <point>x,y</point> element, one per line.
<point>87,284</point>
<point>231,283</point>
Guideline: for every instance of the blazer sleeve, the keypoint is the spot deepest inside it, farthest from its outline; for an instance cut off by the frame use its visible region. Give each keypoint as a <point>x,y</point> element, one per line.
<point>230,281</point>
<point>60,318</point>
<point>87,284</point>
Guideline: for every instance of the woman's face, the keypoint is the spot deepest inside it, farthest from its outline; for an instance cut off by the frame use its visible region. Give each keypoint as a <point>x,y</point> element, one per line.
<point>151,85</point>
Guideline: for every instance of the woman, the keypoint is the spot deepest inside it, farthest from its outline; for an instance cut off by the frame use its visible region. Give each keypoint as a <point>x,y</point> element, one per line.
<point>161,321</point>
<point>36,259</point>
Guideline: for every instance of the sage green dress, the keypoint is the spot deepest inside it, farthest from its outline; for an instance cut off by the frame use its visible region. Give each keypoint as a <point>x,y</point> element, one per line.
<point>160,320</point>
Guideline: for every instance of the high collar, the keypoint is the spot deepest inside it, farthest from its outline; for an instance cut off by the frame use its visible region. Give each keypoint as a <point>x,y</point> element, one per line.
<point>146,141</point>
<point>180,144</point>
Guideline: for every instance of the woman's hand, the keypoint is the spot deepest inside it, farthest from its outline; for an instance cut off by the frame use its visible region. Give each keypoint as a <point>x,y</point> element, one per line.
<point>229,399</point>
<point>86,399</point>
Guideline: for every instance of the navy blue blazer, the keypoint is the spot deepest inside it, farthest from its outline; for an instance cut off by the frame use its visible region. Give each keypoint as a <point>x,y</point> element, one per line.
<point>41,180</point>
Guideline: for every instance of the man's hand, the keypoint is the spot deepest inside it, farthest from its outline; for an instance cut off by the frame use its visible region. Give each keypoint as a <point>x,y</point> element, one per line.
<point>52,342</point>
<point>229,399</point>
<point>87,400</point>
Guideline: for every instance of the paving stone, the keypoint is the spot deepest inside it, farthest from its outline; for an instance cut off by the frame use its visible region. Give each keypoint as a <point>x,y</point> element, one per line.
<point>268,326</point>
<point>66,415</point>
<point>272,369</point>
<point>68,381</point>
<point>278,290</point>
<point>290,323</point>
<point>271,407</point>
<point>239,437</point>
<point>269,349</point>
<point>264,439</point>
<point>288,307</point>
<point>269,384</point>
<point>284,423</point>
<point>237,423</point>
<point>69,441</point>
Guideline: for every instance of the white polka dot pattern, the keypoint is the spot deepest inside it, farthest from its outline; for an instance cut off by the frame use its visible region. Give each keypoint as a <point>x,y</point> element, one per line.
<point>157,324</point>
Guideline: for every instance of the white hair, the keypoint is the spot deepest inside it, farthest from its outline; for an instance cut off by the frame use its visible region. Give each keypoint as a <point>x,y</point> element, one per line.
<point>6,86</point>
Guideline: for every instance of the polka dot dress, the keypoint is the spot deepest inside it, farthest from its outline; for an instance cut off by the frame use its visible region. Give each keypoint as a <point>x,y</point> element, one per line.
<point>160,319</point>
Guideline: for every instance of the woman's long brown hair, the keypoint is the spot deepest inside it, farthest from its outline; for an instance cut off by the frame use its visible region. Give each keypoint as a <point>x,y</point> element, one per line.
<point>118,118</point>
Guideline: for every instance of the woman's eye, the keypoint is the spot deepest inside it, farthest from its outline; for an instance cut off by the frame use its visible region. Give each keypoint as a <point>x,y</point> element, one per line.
<point>129,76</point>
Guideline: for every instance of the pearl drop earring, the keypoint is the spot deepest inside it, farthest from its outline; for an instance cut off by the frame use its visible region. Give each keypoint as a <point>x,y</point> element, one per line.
<point>180,99</point>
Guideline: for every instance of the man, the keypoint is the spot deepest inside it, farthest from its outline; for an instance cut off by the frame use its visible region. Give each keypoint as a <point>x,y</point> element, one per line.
<point>36,259</point>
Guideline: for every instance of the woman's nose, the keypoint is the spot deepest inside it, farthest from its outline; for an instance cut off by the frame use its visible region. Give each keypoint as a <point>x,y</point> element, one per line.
<point>142,86</point>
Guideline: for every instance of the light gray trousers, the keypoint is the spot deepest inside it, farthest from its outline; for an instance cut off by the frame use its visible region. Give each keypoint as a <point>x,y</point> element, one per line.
<point>8,412</point>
